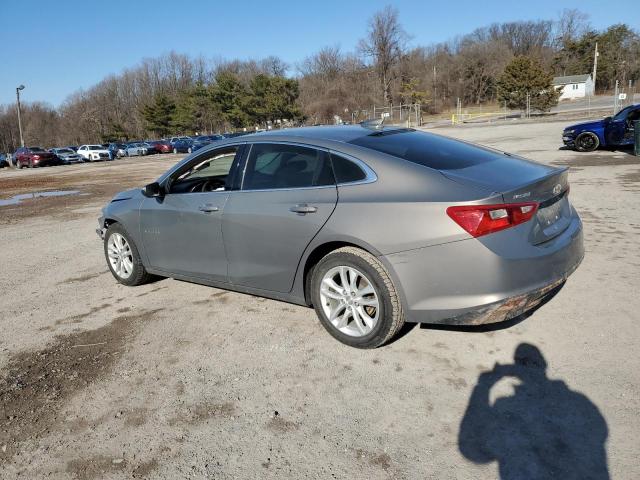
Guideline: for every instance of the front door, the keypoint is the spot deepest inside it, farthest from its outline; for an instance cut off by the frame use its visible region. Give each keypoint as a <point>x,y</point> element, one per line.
<point>182,230</point>
<point>288,193</point>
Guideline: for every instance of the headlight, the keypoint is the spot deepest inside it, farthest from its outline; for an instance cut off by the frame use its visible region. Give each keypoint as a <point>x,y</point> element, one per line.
<point>569,132</point>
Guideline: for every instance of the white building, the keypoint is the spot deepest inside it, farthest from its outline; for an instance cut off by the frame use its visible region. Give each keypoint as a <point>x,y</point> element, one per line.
<point>575,86</point>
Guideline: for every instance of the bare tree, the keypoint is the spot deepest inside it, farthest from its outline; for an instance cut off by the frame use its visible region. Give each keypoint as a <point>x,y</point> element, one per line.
<point>384,44</point>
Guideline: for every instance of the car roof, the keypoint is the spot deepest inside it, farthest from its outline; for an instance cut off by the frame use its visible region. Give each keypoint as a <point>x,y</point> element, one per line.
<point>336,133</point>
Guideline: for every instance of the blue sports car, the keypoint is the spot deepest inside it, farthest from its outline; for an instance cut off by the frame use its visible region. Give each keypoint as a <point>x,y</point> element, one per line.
<point>613,131</point>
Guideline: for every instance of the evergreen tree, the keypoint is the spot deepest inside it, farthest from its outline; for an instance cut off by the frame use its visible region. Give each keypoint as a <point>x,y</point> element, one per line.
<point>158,115</point>
<point>525,76</point>
<point>230,98</point>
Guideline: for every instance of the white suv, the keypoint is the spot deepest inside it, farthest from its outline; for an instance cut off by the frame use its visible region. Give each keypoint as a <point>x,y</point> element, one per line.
<point>94,153</point>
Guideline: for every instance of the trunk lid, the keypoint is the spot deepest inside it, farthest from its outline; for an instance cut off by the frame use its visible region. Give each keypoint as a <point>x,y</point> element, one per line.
<point>519,180</point>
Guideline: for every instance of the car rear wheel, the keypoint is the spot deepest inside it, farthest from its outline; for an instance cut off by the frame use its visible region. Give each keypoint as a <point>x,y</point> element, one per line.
<point>587,142</point>
<point>123,258</point>
<point>355,299</point>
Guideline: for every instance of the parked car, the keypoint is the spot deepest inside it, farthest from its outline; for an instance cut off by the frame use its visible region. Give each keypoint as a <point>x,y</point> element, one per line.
<point>3,161</point>
<point>34,157</point>
<point>134,149</point>
<point>204,140</point>
<point>234,134</point>
<point>183,145</point>
<point>370,226</point>
<point>149,148</point>
<point>116,150</point>
<point>616,131</point>
<point>66,155</point>
<point>93,153</point>
<point>172,140</point>
<point>161,146</point>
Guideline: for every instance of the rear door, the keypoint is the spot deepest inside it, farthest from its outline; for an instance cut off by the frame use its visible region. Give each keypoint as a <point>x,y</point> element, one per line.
<point>288,193</point>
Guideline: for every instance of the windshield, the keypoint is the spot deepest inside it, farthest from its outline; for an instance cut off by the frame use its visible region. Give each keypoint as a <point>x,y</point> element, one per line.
<point>96,147</point>
<point>623,113</point>
<point>36,149</point>
<point>64,150</point>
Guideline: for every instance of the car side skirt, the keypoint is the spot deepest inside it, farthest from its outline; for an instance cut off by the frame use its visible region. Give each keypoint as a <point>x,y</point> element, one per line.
<point>284,297</point>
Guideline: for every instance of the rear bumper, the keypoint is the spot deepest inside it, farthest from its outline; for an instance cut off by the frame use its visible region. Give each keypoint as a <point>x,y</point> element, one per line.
<point>469,283</point>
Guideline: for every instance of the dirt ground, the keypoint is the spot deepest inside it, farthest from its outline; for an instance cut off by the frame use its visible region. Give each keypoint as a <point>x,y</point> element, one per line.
<point>174,380</point>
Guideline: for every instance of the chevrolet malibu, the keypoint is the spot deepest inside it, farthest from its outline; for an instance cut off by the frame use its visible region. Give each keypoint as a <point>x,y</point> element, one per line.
<point>371,226</point>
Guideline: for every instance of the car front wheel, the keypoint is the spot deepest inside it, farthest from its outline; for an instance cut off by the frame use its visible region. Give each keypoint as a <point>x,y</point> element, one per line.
<point>587,142</point>
<point>123,258</point>
<point>355,298</point>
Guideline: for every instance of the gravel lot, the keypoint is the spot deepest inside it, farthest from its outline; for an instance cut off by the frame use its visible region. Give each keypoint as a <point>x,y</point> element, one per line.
<point>174,380</point>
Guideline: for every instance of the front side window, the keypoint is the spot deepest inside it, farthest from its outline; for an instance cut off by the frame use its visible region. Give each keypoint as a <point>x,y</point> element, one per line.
<point>207,173</point>
<point>274,166</point>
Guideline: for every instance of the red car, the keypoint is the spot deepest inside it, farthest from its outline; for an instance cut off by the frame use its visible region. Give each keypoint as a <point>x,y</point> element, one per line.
<point>34,157</point>
<point>161,146</point>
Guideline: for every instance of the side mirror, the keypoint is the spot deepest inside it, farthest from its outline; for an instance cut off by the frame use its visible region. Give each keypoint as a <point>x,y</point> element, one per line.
<point>607,119</point>
<point>153,190</point>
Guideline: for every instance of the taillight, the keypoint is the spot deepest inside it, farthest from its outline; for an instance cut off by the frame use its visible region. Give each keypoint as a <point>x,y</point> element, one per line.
<point>36,157</point>
<point>480,220</point>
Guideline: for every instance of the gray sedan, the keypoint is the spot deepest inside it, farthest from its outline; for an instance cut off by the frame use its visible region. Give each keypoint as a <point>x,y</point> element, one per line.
<point>371,226</point>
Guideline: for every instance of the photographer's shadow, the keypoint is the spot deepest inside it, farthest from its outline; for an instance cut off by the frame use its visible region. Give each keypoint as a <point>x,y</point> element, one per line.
<point>543,431</point>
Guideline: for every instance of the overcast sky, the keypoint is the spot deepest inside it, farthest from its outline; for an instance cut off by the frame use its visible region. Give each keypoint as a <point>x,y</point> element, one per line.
<point>55,47</point>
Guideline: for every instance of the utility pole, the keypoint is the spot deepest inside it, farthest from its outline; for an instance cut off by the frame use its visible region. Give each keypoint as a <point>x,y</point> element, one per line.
<point>21,87</point>
<point>435,90</point>
<point>595,67</point>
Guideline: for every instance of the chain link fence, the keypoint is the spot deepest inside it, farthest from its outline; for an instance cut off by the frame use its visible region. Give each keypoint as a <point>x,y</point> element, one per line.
<point>408,115</point>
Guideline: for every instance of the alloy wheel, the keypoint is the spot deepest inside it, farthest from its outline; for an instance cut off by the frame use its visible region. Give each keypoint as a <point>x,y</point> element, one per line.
<point>587,142</point>
<point>120,255</point>
<point>349,301</point>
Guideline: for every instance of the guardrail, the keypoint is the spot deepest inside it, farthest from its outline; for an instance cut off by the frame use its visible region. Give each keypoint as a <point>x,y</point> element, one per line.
<point>458,118</point>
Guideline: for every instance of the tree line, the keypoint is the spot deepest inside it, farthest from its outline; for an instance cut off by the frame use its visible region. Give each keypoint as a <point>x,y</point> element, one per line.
<point>179,94</point>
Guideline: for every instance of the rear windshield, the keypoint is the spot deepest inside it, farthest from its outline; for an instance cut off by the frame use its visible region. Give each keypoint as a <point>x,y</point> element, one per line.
<point>36,149</point>
<point>432,151</point>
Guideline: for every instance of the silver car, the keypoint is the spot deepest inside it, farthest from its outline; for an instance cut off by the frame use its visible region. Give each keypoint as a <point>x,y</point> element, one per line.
<point>134,149</point>
<point>67,155</point>
<point>373,227</point>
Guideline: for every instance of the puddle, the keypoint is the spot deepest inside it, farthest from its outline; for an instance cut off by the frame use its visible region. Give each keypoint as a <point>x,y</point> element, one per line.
<point>15,200</point>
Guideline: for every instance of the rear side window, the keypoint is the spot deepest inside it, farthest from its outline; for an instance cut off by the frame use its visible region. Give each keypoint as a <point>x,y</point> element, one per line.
<point>432,151</point>
<point>345,170</point>
<point>272,166</point>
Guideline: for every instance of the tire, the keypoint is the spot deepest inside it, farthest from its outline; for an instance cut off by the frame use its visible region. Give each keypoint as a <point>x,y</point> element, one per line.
<point>388,309</point>
<point>587,142</point>
<point>137,275</point>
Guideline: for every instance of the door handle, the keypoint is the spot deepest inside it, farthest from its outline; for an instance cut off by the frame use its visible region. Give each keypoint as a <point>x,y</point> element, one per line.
<point>208,208</point>
<point>303,209</point>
